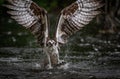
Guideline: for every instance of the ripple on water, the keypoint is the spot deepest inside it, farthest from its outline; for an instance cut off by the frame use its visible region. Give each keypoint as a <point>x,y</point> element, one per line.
<point>89,65</point>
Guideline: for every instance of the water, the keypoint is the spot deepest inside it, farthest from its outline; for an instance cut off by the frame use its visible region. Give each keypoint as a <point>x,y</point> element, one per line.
<point>92,59</point>
<point>79,68</point>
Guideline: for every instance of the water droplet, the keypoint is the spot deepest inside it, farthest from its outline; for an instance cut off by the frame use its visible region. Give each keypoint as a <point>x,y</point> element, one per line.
<point>9,33</point>
<point>13,39</point>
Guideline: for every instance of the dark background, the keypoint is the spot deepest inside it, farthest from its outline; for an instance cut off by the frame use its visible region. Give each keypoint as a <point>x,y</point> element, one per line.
<point>93,52</point>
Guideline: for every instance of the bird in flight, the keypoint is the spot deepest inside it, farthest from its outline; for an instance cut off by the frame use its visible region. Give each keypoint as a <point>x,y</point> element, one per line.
<point>72,19</point>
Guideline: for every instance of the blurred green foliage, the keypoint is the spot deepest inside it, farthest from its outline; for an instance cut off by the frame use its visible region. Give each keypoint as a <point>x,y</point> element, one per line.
<point>50,5</point>
<point>1,2</point>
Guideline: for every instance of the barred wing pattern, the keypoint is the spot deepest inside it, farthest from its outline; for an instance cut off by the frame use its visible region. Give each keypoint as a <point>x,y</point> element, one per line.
<point>31,16</point>
<point>75,17</point>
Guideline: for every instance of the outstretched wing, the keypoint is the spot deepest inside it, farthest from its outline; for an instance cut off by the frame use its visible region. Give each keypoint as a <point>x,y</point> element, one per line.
<point>31,16</point>
<point>75,17</point>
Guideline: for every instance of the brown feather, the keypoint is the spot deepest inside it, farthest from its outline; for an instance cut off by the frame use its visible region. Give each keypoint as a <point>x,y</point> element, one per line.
<point>30,16</point>
<point>75,17</point>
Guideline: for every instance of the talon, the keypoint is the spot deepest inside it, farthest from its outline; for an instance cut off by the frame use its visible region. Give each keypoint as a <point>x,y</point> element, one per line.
<point>61,62</point>
<point>49,66</point>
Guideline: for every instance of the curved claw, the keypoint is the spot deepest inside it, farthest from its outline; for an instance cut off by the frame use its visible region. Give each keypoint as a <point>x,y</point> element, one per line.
<point>49,66</point>
<point>61,62</point>
<point>62,65</point>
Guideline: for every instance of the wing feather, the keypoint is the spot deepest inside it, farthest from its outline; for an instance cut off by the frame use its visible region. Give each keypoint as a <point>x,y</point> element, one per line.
<point>17,12</point>
<point>20,3</point>
<point>31,16</point>
<point>75,17</point>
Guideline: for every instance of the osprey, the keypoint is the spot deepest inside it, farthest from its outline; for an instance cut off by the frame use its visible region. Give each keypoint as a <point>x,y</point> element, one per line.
<point>72,18</point>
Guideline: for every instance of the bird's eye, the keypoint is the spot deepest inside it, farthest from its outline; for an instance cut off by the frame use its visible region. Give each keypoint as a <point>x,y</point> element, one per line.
<point>47,44</point>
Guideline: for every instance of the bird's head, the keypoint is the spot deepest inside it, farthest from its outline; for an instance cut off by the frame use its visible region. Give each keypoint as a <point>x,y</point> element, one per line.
<point>51,43</point>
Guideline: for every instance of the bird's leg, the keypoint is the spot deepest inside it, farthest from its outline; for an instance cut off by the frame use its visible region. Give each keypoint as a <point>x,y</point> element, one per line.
<point>47,62</point>
<point>58,58</point>
<point>54,56</point>
<point>59,61</point>
<point>49,65</point>
<point>53,59</point>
